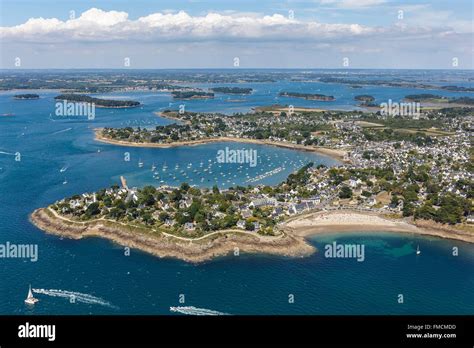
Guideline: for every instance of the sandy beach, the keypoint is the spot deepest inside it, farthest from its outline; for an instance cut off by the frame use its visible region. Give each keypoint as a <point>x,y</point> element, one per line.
<point>352,221</point>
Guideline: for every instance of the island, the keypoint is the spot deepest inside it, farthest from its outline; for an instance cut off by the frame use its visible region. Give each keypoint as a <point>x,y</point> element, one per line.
<point>192,95</point>
<point>28,96</point>
<point>101,103</point>
<point>307,96</point>
<point>232,90</point>
<point>365,99</point>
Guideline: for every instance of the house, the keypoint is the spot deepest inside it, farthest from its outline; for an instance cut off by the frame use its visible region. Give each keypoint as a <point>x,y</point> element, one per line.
<point>309,204</point>
<point>241,224</point>
<point>131,195</point>
<point>297,208</point>
<point>371,201</point>
<point>256,226</point>
<point>189,226</point>
<point>262,202</point>
<point>277,212</point>
<point>170,222</point>
<point>315,199</point>
<point>352,183</point>
<point>246,213</point>
<point>73,204</point>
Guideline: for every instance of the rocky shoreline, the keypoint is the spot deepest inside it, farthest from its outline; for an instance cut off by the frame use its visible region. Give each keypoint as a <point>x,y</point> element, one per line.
<point>164,246</point>
<point>291,243</point>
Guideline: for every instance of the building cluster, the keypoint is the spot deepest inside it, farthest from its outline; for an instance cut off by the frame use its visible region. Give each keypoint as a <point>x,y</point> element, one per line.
<point>380,175</point>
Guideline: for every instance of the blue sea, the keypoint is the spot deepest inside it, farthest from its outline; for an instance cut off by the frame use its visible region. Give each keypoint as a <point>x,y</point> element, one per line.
<point>59,157</point>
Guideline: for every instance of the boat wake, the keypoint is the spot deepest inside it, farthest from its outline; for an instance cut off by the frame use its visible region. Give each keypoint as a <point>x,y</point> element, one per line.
<point>75,297</point>
<point>190,310</point>
<point>7,153</point>
<point>61,131</point>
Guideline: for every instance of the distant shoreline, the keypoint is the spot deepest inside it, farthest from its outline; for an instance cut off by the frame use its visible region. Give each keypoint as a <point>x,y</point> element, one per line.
<point>333,153</point>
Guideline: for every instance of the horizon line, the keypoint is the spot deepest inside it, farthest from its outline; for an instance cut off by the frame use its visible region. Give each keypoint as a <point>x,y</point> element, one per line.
<point>236,69</point>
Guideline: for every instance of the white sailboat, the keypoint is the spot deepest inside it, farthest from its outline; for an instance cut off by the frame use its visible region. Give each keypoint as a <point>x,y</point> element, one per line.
<point>30,299</point>
<point>153,167</point>
<point>140,163</point>
<point>65,181</point>
<point>418,252</point>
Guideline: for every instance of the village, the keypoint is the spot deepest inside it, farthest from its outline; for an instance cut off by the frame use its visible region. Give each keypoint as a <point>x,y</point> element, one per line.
<point>422,175</point>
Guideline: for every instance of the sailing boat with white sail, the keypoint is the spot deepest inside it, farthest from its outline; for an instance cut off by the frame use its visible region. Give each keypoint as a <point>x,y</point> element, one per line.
<point>31,300</point>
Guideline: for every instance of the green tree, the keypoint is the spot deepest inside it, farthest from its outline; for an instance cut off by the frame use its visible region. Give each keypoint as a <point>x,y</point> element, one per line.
<point>345,192</point>
<point>93,209</point>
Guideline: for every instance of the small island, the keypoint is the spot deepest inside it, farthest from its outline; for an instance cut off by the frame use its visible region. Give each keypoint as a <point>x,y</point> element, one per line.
<point>28,96</point>
<point>232,90</point>
<point>308,96</point>
<point>101,103</point>
<point>365,99</point>
<point>192,95</point>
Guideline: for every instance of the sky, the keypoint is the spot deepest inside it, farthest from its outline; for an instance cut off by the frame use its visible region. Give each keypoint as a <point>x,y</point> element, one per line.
<point>138,34</point>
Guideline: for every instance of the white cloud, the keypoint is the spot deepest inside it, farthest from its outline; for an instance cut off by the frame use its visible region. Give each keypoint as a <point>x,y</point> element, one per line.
<point>100,38</point>
<point>352,4</point>
<point>98,25</point>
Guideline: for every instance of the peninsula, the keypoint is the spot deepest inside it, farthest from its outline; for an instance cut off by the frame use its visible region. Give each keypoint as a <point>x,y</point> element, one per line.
<point>437,99</point>
<point>196,225</point>
<point>289,131</point>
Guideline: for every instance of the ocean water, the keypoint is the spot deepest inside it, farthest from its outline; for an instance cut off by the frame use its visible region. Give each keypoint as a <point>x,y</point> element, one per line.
<point>102,280</point>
